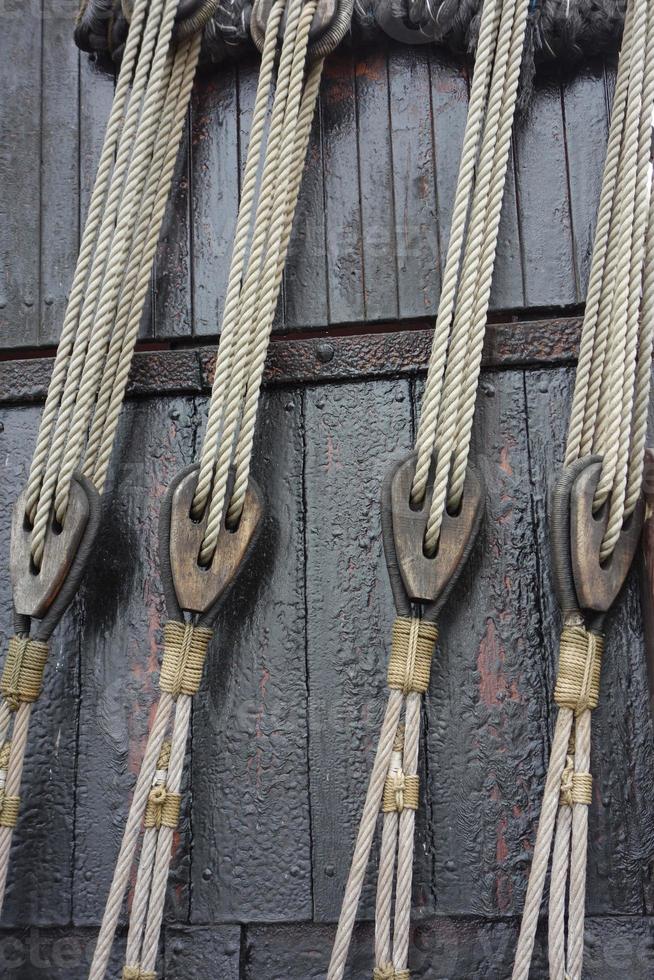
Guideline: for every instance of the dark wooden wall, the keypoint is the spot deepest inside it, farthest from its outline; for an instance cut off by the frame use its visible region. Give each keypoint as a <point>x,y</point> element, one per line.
<point>374,216</point>
<point>285,728</point>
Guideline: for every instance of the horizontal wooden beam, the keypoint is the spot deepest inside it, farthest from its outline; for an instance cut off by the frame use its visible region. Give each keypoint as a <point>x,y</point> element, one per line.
<point>341,354</point>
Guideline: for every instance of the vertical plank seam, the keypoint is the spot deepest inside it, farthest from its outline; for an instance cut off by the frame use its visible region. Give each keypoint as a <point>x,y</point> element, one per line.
<point>515,163</point>
<point>432,126</point>
<point>566,158</point>
<point>38,299</point>
<point>392,182</point>
<point>546,687</point>
<point>362,253</point>
<point>307,682</point>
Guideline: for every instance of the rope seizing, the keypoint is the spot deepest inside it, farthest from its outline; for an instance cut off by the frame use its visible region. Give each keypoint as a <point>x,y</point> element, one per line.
<point>435,493</point>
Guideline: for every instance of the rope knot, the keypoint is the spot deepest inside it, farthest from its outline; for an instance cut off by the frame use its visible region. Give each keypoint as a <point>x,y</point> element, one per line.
<point>576,787</point>
<point>567,782</point>
<point>580,665</point>
<point>163,809</point>
<point>412,648</point>
<point>384,972</point>
<point>22,676</point>
<point>401,792</point>
<point>185,650</point>
<point>136,973</point>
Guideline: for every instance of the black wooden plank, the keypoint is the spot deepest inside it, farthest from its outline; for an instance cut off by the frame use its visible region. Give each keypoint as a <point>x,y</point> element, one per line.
<point>96,96</point>
<point>251,832</point>
<point>203,953</point>
<point>543,202</point>
<point>586,132</point>
<point>508,289</point>
<point>39,890</point>
<point>342,198</point>
<point>418,259</point>
<point>352,433</point>
<point>121,641</point>
<point>449,101</point>
<point>305,277</point>
<point>59,227</point>
<point>20,176</point>
<point>55,954</point>
<point>622,824</point>
<point>476,733</point>
<point>172,309</point>
<point>377,191</point>
<point>215,193</point>
<point>446,948</point>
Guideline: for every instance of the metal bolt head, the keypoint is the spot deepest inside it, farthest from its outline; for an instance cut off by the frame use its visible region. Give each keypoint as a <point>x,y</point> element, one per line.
<point>325,352</point>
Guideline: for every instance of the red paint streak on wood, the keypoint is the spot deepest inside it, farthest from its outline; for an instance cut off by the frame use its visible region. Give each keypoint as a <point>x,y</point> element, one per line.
<point>505,462</point>
<point>490,664</point>
<point>333,462</point>
<point>373,69</point>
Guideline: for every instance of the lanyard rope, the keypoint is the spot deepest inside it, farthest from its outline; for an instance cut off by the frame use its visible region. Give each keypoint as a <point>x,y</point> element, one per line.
<point>606,438</point>
<point>57,516</point>
<point>212,511</point>
<point>438,481</point>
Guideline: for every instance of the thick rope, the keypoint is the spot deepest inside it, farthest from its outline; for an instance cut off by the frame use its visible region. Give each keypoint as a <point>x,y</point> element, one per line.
<point>137,276</point>
<point>12,788</point>
<point>568,786</point>
<point>394,787</point>
<point>609,413</point>
<point>130,839</point>
<point>97,212</point>
<point>365,836</point>
<point>543,844</point>
<point>445,426</point>
<point>450,394</point>
<point>256,272</point>
<point>104,309</point>
<point>281,163</point>
<point>105,239</point>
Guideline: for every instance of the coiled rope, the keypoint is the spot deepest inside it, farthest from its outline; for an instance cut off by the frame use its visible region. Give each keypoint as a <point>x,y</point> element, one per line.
<point>271,183</point>
<point>99,332</point>
<point>609,420</point>
<point>444,433</point>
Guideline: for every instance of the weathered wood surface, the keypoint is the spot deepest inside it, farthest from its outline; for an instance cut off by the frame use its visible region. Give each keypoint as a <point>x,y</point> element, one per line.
<point>371,232</point>
<point>284,730</point>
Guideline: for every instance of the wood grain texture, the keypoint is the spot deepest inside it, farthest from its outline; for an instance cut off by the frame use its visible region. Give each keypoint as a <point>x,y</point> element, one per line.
<point>476,735</point>
<point>445,948</point>
<point>250,780</point>
<point>621,852</point>
<point>59,202</point>
<point>120,640</point>
<point>372,227</point>
<point>58,954</point>
<point>203,953</point>
<point>353,433</point>
<point>543,201</point>
<point>215,183</point>
<point>40,888</point>
<point>20,173</point>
